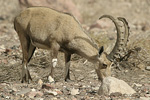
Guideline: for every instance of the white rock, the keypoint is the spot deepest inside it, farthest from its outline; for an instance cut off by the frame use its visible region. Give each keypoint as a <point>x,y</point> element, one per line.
<point>95,88</point>
<point>38,98</point>
<point>40,82</point>
<point>33,89</point>
<point>52,92</point>
<point>7,97</point>
<point>50,79</point>
<point>138,85</point>
<point>147,68</point>
<point>144,98</point>
<point>2,47</point>
<point>93,71</point>
<point>74,91</point>
<point>85,62</point>
<point>54,98</point>
<point>112,85</point>
<point>23,91</point>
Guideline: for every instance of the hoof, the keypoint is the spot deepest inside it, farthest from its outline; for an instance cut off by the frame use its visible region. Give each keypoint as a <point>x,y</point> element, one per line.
<point>68,80</point>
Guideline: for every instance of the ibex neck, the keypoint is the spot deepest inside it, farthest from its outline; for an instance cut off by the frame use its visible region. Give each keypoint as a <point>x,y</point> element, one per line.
<point>84,47</point>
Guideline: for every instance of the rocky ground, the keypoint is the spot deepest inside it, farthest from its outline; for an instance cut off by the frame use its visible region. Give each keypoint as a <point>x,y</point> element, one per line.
<point>84,85</point>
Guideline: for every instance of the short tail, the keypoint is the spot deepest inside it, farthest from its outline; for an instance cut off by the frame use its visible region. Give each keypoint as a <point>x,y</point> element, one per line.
<point>15,23</point>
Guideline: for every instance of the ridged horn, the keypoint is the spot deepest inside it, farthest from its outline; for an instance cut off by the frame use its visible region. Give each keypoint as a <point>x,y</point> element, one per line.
<point>127,33</point>
<point>118,45</point>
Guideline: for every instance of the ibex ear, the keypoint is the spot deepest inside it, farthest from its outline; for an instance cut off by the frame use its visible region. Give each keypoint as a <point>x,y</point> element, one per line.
<point>101,49</point>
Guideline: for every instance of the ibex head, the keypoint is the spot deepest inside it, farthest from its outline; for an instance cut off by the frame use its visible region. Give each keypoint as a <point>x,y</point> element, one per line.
<point>117,53</point>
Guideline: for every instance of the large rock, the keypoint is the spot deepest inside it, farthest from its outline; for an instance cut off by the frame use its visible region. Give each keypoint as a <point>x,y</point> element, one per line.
<point>104,24</point>
<point>113,85</point>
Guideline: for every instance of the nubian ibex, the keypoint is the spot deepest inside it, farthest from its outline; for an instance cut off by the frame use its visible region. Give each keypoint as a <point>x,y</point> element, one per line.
<point>50,29</point>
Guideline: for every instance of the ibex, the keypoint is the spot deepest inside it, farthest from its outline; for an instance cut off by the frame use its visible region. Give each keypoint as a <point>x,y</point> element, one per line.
<point>50,29</point>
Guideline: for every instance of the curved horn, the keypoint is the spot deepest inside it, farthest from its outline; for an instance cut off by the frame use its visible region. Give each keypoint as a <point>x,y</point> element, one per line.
<point>119,42</point>
<point>127,33</point>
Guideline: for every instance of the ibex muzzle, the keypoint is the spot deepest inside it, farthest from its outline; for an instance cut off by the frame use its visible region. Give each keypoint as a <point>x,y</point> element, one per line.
<point>49,29</point>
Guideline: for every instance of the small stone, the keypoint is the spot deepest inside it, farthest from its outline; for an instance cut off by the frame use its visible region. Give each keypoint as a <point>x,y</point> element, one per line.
<point>65,91</point>
<point>14,89</point>
<point>58,91</point>
<point>4,84</point>
<point>74,98</point>
<point>137,95</point>
<point>50,79</point>
<point>74,91</point>
<point>23,91</point>
<point>95,88</point>
<point>91,98</point>
<point>83,86</point>
<point>141,66</point>
<point>54,98</point>
<point>39,99</point>
<point>147,68</point>
<point>116,94</point>
<point>144,98</point>
<point>12,62</point>
<point>51,92</point>
<point>40,93</point>
<point>85,61</point>
<point>40,82</point>
<point>5,61</point>
<point>147,95</point>
<point>2,48</point>
<point>47,86</point>
<point>138,85</point>
<point>33,89</point>
<point>126,71</point>
<point>35,93</point>
<point>32,95</point>
<point>7,97</point>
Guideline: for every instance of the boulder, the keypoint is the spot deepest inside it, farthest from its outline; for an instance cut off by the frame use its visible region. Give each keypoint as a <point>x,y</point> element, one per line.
<point>112,85</point>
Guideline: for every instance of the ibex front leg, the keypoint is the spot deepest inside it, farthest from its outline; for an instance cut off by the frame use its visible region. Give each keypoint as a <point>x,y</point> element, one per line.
<point>54,52</point>
<point>67,66</point>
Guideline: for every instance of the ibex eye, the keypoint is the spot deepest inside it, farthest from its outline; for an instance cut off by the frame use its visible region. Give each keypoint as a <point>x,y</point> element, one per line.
<point>112,64</point>
<point>104,65</point>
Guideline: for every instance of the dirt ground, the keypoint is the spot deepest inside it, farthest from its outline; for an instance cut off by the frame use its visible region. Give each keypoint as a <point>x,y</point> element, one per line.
<point>84,85</point>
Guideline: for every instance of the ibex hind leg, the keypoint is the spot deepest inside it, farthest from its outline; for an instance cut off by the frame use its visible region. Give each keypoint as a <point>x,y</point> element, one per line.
<point>30,54</point>
<point>67,66</point>
<point>27,50</point>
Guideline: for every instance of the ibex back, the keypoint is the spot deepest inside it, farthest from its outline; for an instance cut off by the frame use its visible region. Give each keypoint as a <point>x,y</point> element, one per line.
<point>49,29</point>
